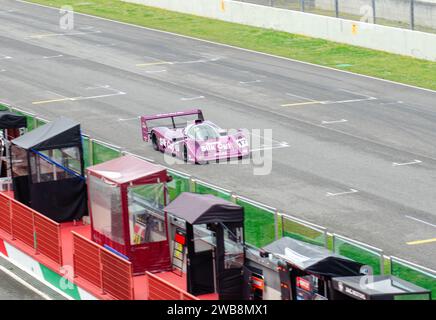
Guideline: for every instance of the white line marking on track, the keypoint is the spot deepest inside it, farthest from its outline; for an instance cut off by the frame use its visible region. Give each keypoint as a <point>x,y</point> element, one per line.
<point>348,101</point>
<point>197,61</point>
<point>422,221</point>
<point>334,121</point>
<point>329,194</point>
<point>250,82</point>
<point>395,164</point>
<point>327,102</point>
<point>160,62</point>
<point>63,98</point>
<point>3,57</point>
<point>155,63</point>
<point>52,57</point>
<point>40,36</point>
<point>7,11</point>
<point>156,71</point>
<point>192,98</point>
<point>2,70</point>
<point>24,283</point>
<point>129,119</point>
<point>294,104</point>
<point>269,147</point>
<point>390,103</point>
<point>105,45</point>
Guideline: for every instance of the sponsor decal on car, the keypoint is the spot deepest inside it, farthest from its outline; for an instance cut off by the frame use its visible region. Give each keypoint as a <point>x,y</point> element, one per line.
<point>216,146</point>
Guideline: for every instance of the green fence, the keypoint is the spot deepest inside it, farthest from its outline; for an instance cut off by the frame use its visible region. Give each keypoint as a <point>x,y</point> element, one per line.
<point>180,183</point>
<point>86,144</point>
<point>206,188</point>
<point>301,230</point>
<point>40,122</point>
<point>359,252</point>
<point>418,275</point>
<point>102,152</point>
<point>260,223</point>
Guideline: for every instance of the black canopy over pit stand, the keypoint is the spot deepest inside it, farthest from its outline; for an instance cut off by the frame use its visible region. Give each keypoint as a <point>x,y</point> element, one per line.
<point>306,270</point>
<point>215,243</point>
<point>48,170</point>
<point>382,287</point>
<point>11,125</point>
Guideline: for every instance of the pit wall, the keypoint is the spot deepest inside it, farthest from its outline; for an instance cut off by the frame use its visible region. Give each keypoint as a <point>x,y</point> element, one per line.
<point>394,40</point>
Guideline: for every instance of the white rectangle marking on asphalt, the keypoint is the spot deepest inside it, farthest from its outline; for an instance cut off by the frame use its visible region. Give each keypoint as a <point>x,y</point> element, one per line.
<point>395,164</point>
<point>192,98</point>
<point>422,221</point>
<point>40,36</point>
<point>329,194</point>
<point>156,71</point>
<point>250,82</point>
<point>129,119</point>
<point>52,57</point>
<point>334,121</point>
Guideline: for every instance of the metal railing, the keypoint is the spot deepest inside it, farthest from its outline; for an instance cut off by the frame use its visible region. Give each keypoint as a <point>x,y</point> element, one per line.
<point>302,230</point>
<point>360,252</point>
<point>31,228</point>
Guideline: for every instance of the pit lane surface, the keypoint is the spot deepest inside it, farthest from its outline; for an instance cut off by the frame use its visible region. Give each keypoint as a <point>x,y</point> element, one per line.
<point>16,284</point>
<point>354,154</point>
<point>10,289</point>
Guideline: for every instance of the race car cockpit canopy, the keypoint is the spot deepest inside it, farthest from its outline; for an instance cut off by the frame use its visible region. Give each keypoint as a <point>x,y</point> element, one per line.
<point>202,132</point>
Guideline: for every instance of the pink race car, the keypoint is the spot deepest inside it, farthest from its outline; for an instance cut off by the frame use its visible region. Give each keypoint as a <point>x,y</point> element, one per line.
<point>196,141</point>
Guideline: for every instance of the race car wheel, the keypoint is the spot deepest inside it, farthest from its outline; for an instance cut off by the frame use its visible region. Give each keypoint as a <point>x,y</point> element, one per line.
<point>154,142</point>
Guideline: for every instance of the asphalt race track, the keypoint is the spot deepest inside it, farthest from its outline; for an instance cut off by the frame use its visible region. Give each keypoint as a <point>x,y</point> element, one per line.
<point>354,154</point>
<point>12,290</point>
<point>16,284</point>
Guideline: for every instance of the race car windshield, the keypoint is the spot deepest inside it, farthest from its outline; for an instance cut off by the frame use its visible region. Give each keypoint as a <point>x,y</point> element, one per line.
<point>203,132</point>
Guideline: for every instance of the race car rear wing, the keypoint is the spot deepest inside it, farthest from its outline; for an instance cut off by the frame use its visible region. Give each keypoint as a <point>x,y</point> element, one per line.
<point>145,128</point>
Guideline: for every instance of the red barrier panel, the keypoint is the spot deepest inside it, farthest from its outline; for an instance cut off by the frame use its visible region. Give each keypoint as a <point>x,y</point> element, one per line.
<point>22,223</point>
<point>5,213</point>
<point>102,268</point>
<point>86,260</point>
<point>159,289</point>
<point>31,227</point>
<point>117,275</point>
<point>48,238</point>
